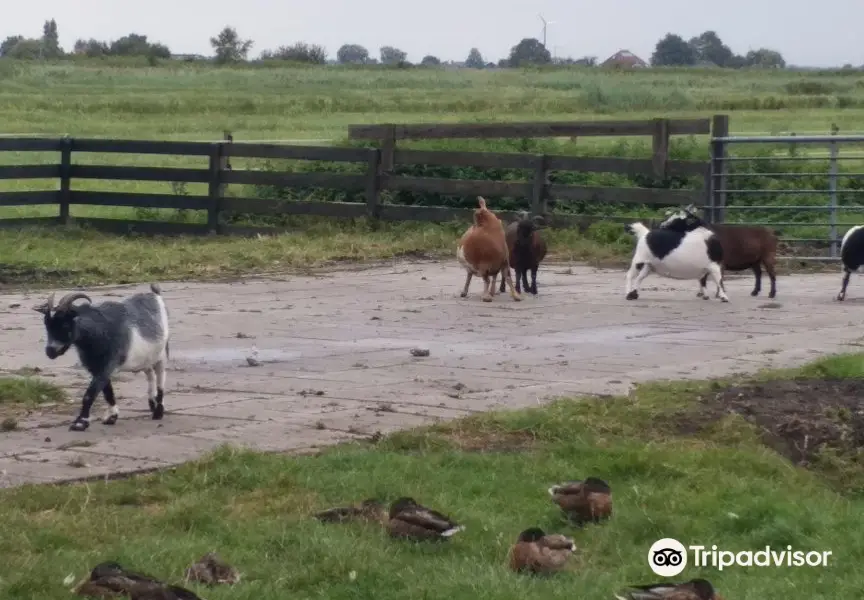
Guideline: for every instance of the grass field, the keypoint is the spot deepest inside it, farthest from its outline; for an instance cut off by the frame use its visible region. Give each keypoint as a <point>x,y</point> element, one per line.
<point>193,102</point>
<point>720,486</point>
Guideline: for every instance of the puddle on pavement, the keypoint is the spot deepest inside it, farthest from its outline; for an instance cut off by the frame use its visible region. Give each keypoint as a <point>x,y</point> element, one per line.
<point>235,354</point>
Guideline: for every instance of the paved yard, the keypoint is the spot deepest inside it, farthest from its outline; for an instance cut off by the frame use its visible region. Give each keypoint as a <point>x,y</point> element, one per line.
<point>335,361</point>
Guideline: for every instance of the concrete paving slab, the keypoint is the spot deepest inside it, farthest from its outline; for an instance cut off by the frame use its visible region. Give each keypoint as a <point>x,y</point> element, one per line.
<point>335,362</point>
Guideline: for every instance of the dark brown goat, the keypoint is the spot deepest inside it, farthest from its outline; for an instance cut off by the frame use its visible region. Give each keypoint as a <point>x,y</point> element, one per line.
<point>527,249</point>
<point>744,246</point>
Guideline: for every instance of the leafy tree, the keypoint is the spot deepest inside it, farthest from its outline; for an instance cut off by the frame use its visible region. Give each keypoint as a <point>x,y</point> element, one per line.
<point>475,59</point>
<point>530,51</point>
<point>26,49</point>
<point>9,43</point>
<point>352,54</point>
<point>392,56</point>
<point>51,40</point>
<point>710,48</point>
<point>159,51</point>
<point>91,48</point>
<point>430,61</point>
<point>130,45</point>
<point>672,50</point>
<point>765,58</point>
<point>229,47</point>
<point>300,52</point>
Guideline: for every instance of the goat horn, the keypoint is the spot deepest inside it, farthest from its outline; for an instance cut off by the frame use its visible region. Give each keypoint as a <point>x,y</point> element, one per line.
<point>45,307</point>
<point>482,201</point>
<point>68,299</point>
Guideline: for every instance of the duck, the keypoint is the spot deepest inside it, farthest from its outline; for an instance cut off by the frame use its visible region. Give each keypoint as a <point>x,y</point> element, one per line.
<point>695,589</point>
<point>111,580</point>
<point>408,519</point>
<point>587,501</point>
<point>537,552</point>
<point>210,569</point>
<point>371,510</point>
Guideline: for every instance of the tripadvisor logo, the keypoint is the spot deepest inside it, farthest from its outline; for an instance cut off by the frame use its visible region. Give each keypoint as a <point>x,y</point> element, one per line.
<point>668,557</point>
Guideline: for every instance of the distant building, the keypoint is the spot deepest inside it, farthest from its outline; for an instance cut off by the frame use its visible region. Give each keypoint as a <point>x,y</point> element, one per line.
<point>624,59</point>
<point>188,57</point>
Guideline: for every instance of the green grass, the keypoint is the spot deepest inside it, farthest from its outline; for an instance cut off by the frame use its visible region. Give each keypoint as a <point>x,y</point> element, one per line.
<point>81,257</point>
<point>490,473</point>
<point>27,391</point>
<point>184,101</point>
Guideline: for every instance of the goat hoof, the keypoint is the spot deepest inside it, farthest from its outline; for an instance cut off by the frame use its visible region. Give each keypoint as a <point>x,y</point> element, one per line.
<point>463,295</point>
<point>724,299</point>
<point>79,426</point>
<point>517,298</point>
<point>158,412</point>
<point>110,420</point>
<point>487,298</point>
<point>754,293</point>
<point>840,297</point>
<point>634,295</point>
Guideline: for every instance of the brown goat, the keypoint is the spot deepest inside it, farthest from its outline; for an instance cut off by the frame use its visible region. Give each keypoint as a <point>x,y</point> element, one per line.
<point>482,251</point>
<point>744,246</point>
<point>527,249</point>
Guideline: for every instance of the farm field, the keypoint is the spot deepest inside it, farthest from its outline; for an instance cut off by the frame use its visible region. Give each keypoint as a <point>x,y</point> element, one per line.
<point>190,102</point>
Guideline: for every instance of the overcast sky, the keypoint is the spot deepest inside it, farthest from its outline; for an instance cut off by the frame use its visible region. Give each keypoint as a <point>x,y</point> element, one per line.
<point>823,33</point>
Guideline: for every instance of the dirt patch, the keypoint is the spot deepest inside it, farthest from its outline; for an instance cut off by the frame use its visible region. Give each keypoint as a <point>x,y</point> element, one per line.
<point>799,418</point>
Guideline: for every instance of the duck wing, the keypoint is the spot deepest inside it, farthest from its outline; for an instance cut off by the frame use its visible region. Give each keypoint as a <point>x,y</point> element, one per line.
<point>657,591</point>
<point>428,518</point>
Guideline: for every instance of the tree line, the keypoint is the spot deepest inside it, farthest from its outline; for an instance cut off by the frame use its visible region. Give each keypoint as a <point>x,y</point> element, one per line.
<point>229,47</point>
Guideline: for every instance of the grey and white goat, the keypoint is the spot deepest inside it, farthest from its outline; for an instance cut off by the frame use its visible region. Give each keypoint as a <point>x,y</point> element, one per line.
<point>130,335</point>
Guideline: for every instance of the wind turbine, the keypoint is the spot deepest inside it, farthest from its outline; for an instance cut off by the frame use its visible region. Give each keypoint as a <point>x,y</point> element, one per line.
<point>545,23</point>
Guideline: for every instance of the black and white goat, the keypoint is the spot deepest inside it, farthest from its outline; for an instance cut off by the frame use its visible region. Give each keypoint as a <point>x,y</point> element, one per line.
<point>851,256</point>
<point>130,335</point>
<point>687,253</point>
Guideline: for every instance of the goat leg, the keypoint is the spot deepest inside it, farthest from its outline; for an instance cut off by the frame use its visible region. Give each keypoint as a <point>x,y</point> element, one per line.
<point>487,295</point>
<point>757,275</point>
<point>112,413</point>
<point>467,283</point>
<point>534,280</point>
<point>716,274</point>
<point>97,384</point>
<point>846,274</point>
<point>159,410</point>
<point>769,268</point>
<point>517,278</point>
<point>703,284</point>
<point>501,289</point>
<point>513,293</point>
<point>525,285</point>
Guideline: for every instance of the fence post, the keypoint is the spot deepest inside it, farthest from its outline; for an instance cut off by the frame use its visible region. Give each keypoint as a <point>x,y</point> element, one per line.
<point>719,166</point>
<point>539,187</point>
<point>373,181</point>
<point>65,179</point>
<point>388,149</point>
<point>214,188</point>
<point>832,196</point>
<point>661,147</point>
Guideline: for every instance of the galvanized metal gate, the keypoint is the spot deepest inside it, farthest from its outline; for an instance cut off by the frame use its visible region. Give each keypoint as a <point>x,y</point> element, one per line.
<point>803,186</point>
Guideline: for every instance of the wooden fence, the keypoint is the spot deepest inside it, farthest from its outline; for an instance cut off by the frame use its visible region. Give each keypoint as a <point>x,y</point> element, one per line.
<point>377,175</point>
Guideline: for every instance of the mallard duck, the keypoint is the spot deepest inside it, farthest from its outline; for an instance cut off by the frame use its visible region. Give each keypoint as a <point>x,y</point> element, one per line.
<point>110,580</point>
<point>584,501</point>
<point>695,589</point>
<point>407,519</point>
<point>537,552</point>
<point>210,570</point>
<point>371,510</point>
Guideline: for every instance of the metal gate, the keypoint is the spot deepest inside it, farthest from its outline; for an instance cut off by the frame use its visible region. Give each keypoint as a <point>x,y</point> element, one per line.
<point>803,186</point>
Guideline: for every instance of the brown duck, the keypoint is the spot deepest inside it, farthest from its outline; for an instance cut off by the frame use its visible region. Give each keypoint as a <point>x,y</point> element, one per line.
<point>407,519</point>
<point>539,553</point>
<point>110,580</point>
<point>370,510</point>
<point>588,501</point>
<point>695,589</point>
<point>210,569</point>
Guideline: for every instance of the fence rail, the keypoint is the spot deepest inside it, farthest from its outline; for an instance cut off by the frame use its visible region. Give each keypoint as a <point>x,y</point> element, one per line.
<point>378,176</point>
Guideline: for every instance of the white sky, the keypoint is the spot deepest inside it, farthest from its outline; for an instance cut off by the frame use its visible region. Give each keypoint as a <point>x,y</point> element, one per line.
<point>813,34</point>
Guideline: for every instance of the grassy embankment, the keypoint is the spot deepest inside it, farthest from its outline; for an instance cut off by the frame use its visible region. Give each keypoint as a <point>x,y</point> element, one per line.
<point>198,103</point>
<point>720,485</point>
